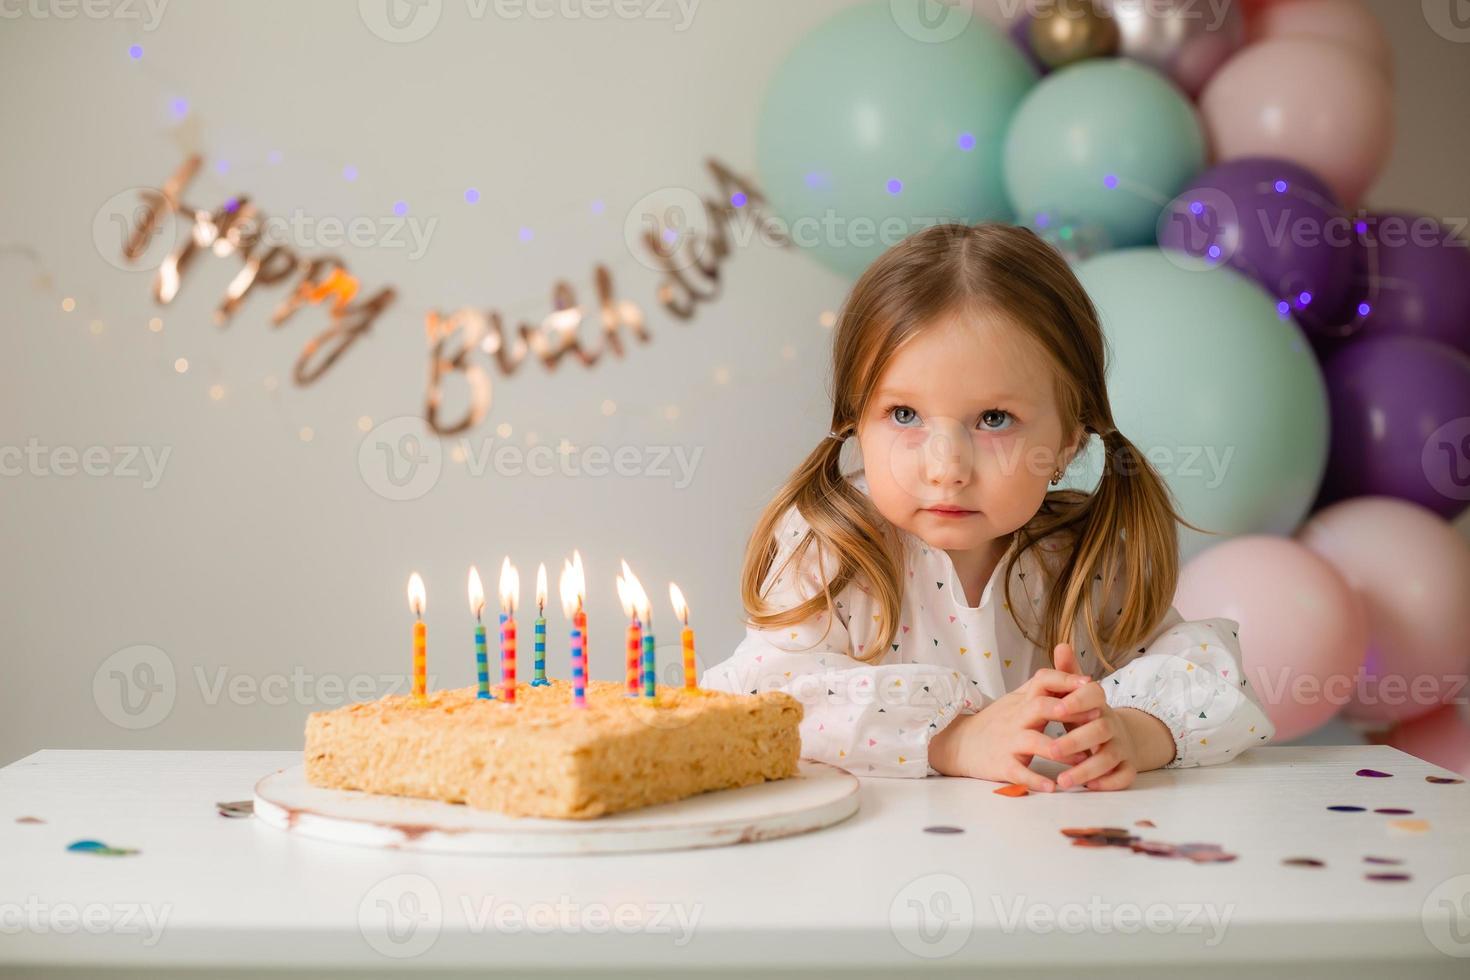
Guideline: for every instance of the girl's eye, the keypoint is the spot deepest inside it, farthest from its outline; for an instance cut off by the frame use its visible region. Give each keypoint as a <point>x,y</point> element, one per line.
<point>903,415</point>
<point>995,420</point>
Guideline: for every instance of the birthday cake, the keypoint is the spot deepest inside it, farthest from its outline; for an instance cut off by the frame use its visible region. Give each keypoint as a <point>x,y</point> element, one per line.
<point>544,756</point>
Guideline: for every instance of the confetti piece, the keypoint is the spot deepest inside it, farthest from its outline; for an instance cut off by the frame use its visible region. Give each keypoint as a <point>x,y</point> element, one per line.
<point>1382,860</point>
<point>1119,837</point>
<point>97,847</point>
<point>944,829</point>
<point>1409,826</point>
<point>29,820</point>
<point>1344,808</point>
<point>1304,863</point>
<point>1388,876</point>
<point>236,808</point>
<point>1393,810</point>
<point>1442,780</point>
<point>1376,774</point>
<point>1013,789</point>
<point>1145,823</point>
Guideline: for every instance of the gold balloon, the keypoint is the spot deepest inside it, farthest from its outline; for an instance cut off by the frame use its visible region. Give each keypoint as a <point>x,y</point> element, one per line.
<point>1069,31</point>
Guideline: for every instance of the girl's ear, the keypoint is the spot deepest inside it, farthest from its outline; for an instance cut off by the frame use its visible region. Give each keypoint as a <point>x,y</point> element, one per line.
<point>1071,449</point>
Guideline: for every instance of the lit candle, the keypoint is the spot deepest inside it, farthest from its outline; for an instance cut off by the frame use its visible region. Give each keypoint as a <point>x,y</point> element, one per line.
<point>540,679</point>
<point>510,591</point>
<point>581,619</point>
<point>570,604</point>
<point>416,602</point>
<point>639,601</point>
<point>686,636</point>
<point>477,606</point>
<point>635,634</point>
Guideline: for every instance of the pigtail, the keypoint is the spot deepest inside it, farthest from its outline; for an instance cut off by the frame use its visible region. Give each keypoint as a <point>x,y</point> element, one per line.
<point>843,527</point>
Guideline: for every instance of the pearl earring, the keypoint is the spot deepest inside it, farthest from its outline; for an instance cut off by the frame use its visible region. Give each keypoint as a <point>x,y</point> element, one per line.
<point>1056,477</point>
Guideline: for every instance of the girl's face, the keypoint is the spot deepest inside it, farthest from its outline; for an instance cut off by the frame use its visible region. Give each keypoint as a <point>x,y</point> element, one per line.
<point>963,435</point>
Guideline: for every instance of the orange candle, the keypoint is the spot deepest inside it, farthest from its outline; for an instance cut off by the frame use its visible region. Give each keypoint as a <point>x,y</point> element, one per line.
<point>416,602</point>
<point>510,591</point>
<point>686,637</point>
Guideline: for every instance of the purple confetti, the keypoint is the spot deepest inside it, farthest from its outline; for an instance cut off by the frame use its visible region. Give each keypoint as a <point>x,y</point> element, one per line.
<point>1376,774</point>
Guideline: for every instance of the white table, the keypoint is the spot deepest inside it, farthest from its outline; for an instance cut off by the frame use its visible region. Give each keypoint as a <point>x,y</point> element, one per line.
<point>239,894</point>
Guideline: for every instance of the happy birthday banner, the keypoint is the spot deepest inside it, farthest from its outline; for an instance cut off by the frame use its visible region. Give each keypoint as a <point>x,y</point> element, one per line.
<point>459,342</point>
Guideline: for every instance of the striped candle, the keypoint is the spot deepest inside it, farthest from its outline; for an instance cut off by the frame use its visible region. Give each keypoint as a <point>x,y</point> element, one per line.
<point>510,588</point>
<point>649,676</point>
<point>686,636</point>
<point>579,669</point>
<point>416,601</point>
<point>508,663</point>
<point>477,606</point>
<point>635,645</point>
<point>540,628</point>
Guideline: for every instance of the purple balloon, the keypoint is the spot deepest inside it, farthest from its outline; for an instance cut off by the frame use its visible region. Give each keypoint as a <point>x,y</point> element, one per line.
<point>1021,37</point>
<point>1277,223</point>
<point>1413,279</point>
<point>1400,423</point>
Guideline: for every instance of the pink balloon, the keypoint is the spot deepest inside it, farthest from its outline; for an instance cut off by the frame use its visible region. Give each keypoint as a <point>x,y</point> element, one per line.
<point>1346,22</point>
<point>1302,632</point>
<point>1313,102</point>
<point>1411,571</point>
<point>1441,737</point>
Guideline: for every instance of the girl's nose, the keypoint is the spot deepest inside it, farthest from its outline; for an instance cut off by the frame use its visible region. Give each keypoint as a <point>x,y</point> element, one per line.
<point>948,455</point>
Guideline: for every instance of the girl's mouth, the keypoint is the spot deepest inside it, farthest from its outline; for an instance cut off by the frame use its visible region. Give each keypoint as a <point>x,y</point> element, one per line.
<point>950,511</point>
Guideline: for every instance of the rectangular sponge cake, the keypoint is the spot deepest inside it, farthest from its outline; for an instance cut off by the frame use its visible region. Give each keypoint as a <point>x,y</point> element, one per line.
<point>545,757</point>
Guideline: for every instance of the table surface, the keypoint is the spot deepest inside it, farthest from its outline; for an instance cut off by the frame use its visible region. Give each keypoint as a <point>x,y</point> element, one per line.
<point>875,891</point>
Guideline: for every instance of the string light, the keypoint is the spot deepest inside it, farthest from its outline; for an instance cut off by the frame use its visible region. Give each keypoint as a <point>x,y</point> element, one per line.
<point>217,392</point>
<point>503,430</point>
<point>306,433</point>
<point>68,304</point>
<point>609,406</point>
<point>364,423</point>
<point>827,319</point>
<point>155,325</point>
<point>181,365</point>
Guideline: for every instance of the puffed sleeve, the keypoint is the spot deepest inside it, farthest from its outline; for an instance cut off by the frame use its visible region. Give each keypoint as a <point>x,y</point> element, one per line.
<point>871,719</point>
<point>1189,676</point>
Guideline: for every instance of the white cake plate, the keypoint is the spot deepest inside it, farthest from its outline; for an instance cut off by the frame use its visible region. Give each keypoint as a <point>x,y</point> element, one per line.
<point>818,796</point>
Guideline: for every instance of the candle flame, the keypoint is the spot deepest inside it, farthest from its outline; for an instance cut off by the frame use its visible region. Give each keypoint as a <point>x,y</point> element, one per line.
<point>637,597</point>
<point>681,608</point>
<point>510,587</point>
<point>416,597</point>
<point>541,588</point>
<point>625,599</point>
<point>477,592</point>
<point>569,596</point>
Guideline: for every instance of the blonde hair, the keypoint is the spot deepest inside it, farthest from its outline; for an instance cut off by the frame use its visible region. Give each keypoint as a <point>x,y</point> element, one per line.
<point>1125,531</point>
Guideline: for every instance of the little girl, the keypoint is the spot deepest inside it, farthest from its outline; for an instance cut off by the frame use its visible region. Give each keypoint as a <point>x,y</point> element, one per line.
<point>968,363</point>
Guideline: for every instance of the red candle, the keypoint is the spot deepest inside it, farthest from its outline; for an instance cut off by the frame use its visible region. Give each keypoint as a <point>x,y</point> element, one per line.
<point>510,590</point>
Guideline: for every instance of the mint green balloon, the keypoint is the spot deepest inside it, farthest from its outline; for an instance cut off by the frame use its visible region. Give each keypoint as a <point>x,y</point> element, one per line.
<point>879,94</point>
<point>1106,142</point>
<point>1214,387</point>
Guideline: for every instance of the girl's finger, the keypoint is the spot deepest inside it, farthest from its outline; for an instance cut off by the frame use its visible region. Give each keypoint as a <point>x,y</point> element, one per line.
<point>1057,681</point>
<point>1120,778</point>
<point>1087,736</point>
<point>1093,767</point>
<point>1090,696</point>
<point>1034,781</point>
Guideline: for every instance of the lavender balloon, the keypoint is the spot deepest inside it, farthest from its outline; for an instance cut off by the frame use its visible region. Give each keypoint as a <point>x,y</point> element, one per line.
<point>1414,279</point>
<point>1277,223</point>
<point>1400,423</point>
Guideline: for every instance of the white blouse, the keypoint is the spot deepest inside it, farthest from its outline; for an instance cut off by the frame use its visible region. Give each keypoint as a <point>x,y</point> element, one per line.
<point>949,658</point>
